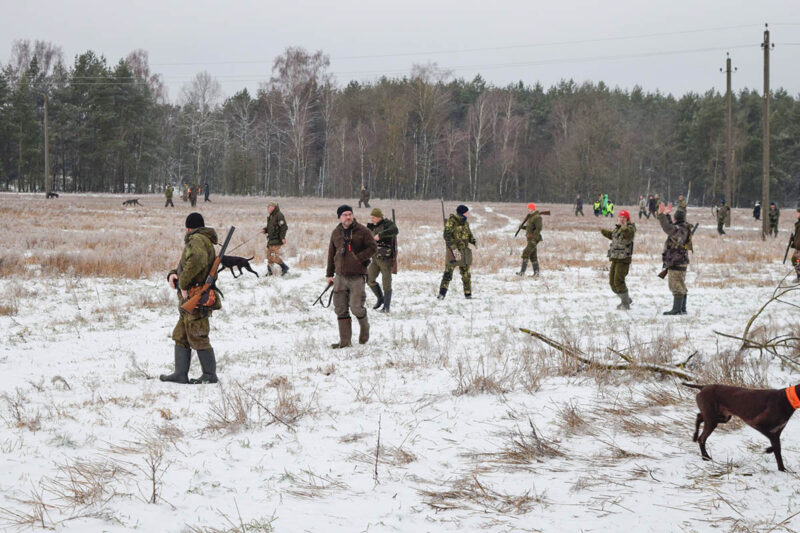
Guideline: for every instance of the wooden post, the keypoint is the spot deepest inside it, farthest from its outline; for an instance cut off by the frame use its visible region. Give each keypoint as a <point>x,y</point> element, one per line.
<point>765,183</point>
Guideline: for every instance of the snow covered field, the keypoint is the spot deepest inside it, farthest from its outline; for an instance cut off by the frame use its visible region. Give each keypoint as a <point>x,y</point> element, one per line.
<point>450,419</point>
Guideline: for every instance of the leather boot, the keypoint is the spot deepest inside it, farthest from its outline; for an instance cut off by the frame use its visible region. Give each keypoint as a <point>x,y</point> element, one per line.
<point>284,269</point>
<point>209,365</point>
<point>523,268</point>
<point>345,332</point>
<point>536,268</point>
<point>183,358</point>
<point>363,330</point>
<point>376,289</point>
<point>677,301</point>
<point>683,304</point>
<point>387,301</point>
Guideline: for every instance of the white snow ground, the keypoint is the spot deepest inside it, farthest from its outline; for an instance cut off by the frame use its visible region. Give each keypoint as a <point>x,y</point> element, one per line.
<point>452,388</point>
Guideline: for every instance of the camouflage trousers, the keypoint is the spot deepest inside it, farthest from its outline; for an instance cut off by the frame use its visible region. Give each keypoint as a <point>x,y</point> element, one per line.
<point>169,203</point>
<point>191,331</point>
<point>579,211</point>
<point>273,257</point>
<point>382,267</point>
<point>676,280</point>
<point>349,293</point>
<point>616,276</point>
<point>720,223</point>
<point>773,230</point>
<point>466,278</point>
<point>529,253</point>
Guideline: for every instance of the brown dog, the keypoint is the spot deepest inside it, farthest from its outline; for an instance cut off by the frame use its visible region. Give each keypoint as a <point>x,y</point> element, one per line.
<point>765,410</point>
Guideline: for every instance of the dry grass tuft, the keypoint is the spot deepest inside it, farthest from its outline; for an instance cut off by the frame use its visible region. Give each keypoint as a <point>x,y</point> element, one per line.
<point>524,449</point>
<point>231,411</point>
<point>470,494</point>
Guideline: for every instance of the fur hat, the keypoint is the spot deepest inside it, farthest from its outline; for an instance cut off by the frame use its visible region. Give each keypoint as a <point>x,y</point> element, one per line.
<point>195,220</point>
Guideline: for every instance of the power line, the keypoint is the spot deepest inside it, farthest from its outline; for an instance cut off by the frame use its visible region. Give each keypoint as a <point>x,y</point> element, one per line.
<point>485,66</point>
<point>483,49</point>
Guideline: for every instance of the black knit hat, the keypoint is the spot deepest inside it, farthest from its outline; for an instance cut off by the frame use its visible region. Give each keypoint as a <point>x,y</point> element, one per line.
<point>462,209</point>
<point>342,209</point>
<point>195,220</point>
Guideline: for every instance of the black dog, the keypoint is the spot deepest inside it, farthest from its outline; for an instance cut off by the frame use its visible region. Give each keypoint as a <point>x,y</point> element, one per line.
<point>135,201</point>
<point>765,410</point>
<point>230,261</point>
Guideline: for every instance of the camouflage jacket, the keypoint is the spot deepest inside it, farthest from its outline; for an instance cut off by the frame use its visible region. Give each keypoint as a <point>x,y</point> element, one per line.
<point>457,233</point>
<point>196,260</point>
<point>621,248</point>
<point>386,231</point>
<point>365,195</point>
<point>350,250</point>
<point>168,192</point>
<point>458,236</point>
<point>676,247</point>
<point>774,216</point>
<point>533,228</point>
<point>722,213</point>
<point>276,227</point>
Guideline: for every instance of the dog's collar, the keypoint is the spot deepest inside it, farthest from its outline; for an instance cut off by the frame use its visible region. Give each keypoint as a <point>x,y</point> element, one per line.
<point>791,395</point>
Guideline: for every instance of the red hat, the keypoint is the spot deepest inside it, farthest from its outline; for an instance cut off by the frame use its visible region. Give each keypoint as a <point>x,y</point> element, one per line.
<point>625,214</point>
<point>532,206</point>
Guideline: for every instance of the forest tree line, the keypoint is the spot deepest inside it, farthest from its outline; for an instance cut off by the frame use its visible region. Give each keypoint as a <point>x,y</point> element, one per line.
<point>425,135</point>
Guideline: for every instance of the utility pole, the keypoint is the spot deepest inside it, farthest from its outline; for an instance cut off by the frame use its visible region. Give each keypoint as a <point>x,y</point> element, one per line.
<point>765,184</point>
<point>729,171</point>
<point>48,181</point>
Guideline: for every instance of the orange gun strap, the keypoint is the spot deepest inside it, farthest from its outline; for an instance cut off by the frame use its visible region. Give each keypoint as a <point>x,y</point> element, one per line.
<point>791,395</point>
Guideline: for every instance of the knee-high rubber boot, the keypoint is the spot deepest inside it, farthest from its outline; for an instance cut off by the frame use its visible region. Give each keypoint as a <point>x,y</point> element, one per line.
<point>376,289</point>
<point>269,270</point>
<point>363,330</point>
<point>284,269</point>
<point>523,268</point>
<point>442,294</point>
<point>183,358</point>
<point>677,300</point>
<point>345,332</point>
<point>683,304</point>
<point>209,365</point>
<point>536,268</point>
<point>625,302</point>
<point>387,301</point>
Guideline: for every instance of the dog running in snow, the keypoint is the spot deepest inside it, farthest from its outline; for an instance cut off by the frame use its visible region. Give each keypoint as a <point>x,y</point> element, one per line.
<point>230,261</point>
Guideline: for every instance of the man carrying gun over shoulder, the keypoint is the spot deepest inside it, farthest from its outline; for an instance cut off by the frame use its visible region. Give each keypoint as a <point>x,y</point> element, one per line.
<point>795,243</point>
<point>191,331</point>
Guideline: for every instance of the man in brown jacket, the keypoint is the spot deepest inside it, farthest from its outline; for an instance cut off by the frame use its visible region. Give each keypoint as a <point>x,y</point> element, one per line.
<point>349,253</point>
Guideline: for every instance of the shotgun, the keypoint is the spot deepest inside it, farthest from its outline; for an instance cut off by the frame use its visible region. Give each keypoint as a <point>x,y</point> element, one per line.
<point>526,220</point>
<point>204,295</point>
<point>788,247</point>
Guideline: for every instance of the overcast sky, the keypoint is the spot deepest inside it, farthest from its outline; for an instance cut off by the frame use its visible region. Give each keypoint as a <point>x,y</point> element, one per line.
<point>673,46</point>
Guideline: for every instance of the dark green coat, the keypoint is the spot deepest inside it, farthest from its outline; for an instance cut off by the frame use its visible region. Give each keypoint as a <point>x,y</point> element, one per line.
<point>276,227</point>
<point>774,216</point>
<point>722,213</point>
<point>387,231</point>
<point>533,228</point>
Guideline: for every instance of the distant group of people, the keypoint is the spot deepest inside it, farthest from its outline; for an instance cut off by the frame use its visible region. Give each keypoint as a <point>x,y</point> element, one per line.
<point>190,193</point>
<point>601,207</point>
